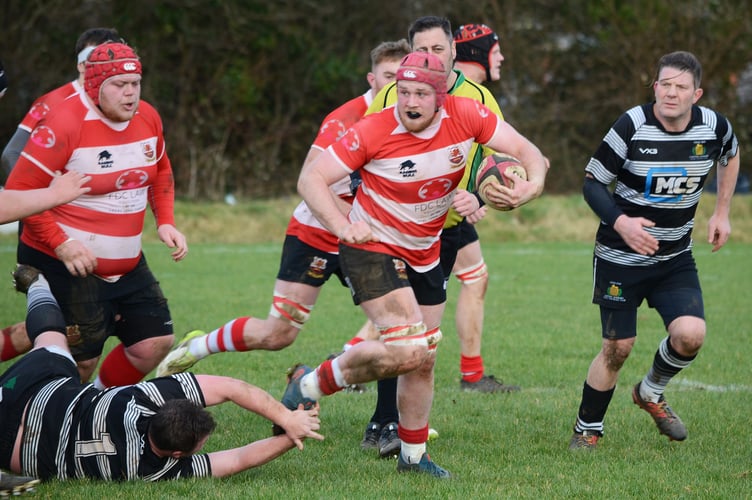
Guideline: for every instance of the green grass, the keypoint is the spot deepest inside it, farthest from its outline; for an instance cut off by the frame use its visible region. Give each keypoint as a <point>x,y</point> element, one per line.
<point>541,333</point>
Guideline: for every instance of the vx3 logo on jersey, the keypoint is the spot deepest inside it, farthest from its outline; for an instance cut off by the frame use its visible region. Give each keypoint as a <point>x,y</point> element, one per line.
<point>649,151</point>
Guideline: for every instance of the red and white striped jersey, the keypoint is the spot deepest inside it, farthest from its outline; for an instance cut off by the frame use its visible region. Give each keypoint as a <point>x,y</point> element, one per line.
<point>409,180</point>
<point>44,104</point>
<point>129,169</point>
<point>303,224</point>
<point>338,121</point>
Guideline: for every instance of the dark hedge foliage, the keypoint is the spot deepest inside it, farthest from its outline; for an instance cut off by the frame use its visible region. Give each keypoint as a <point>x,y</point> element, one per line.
<point>243,85</point>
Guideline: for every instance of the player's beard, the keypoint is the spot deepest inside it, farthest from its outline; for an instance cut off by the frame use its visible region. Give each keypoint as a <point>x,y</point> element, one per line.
<point>416,124</point>
<point>119,111</point>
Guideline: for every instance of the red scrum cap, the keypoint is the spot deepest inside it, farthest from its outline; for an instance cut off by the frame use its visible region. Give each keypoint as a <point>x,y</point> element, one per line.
<point>474,44</point>
<point>106,61</point>
<point>425,68</point>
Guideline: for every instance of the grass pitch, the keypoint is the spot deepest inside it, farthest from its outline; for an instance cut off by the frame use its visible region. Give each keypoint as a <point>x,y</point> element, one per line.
<point>541,333</point>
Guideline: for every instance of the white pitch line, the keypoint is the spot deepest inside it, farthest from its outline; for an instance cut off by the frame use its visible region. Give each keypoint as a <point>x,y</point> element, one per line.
<point>676,384</point>
<point>694,384</point>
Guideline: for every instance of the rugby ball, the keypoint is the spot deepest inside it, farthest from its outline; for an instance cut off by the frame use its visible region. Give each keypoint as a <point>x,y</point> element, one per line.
<point>501,169</point>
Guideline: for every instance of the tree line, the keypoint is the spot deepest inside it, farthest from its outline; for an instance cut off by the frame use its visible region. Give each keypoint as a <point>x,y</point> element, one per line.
<point>243,85</point>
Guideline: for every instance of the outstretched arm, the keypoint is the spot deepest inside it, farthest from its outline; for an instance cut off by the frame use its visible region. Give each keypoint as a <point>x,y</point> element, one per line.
<point>229,462</point>
<point>15,204</point>
<point>298,425</point>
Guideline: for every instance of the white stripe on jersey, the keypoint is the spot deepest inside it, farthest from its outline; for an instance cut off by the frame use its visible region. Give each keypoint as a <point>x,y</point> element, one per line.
<point>615,141</point>
<point>654,134</point>
<point>391,235</point>
<point>190,387</point>
<point>65,435</point>
<point>38,164</point>
<point>201,465</point>
<point>711,119</point>
<point>106,247</point>
<point>88,160</point>
<point>151,391</point>
<point>631,258</point>
<point>643,168</point>
<point>601,173</point>
<point>411,212</point>
<point>670,234</point>
<point>98,428</point>
<point>303,214</point>
<point>637,115</point>
<point>187,383</point>
<point>33,429</point>
<point>127,201</point>
<point>132,438</point>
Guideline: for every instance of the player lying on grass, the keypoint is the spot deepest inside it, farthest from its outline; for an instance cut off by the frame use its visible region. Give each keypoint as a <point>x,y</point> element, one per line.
<point>53,426</point>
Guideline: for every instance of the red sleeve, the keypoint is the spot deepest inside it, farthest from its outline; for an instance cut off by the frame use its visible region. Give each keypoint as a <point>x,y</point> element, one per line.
<point>352,149</point>
<point>338,121</point>
<point>42,106</point>
<point>482,120</point>
<point>162,191</point>
<point>47,150</point>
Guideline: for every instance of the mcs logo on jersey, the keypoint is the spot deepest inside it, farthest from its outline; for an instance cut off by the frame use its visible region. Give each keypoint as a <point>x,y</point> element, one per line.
<point>670,184</point>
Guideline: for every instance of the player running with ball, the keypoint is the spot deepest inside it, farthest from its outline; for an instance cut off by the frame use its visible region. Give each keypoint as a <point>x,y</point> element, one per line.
<point>412,158</point>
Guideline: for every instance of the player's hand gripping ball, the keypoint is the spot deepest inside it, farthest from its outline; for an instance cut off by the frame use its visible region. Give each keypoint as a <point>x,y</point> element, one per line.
<point>501,169</point>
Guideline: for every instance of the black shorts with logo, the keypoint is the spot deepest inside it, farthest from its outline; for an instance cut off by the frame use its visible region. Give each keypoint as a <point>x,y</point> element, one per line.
<point>371,275</point>
<point>302,263</point>
<point>133,308</point>
<point>672,288</point>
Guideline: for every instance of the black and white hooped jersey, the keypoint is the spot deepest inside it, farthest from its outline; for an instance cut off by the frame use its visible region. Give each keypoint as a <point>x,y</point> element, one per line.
<point>75,431</point>
<point>658,175</point>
